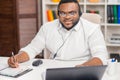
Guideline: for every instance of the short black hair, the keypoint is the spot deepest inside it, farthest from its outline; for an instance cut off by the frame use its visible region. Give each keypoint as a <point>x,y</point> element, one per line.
<point>69,1</point>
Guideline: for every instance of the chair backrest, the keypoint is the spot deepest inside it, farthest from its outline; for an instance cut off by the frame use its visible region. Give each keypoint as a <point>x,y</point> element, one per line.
<point>46,54</point>
<point>95,18</point>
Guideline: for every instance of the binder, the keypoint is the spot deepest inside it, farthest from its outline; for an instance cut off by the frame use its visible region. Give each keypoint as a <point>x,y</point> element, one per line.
<point>118,14</point>
<point>112,15</point>
<point>109,14</point>
<point>115,13</point>
<point>54,14</point>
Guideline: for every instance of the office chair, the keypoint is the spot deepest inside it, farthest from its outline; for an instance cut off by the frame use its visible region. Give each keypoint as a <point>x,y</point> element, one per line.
<point>95,18</point>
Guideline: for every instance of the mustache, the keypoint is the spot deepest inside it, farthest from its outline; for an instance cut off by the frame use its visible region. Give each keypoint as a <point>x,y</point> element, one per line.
<point>71,26</point>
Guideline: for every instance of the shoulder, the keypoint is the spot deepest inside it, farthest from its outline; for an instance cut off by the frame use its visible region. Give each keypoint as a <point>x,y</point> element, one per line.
<point>50,26</point>
<point>51,23</point>
<point>87,23</point>
<point>89,26</point>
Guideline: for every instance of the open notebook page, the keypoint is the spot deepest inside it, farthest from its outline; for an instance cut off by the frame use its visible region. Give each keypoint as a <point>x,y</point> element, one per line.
<point>14,72</point>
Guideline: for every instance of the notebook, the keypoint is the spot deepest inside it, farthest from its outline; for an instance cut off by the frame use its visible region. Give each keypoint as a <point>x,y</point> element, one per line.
<point>76,73</point>
<point>15,72</point>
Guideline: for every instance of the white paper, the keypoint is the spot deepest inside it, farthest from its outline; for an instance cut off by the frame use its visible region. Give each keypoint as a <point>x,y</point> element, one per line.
<point>13,71</point>
<point>3,66</point>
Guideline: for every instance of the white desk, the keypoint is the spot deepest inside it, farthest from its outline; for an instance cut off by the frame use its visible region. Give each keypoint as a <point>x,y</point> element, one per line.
<point>36,73</point>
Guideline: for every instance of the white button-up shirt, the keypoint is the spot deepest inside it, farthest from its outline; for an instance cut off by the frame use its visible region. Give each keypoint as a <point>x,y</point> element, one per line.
<point>84,41</point>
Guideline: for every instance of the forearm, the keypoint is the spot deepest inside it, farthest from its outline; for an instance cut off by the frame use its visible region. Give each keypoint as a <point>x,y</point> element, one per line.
<point>22,57</point>
<point>93,62</point>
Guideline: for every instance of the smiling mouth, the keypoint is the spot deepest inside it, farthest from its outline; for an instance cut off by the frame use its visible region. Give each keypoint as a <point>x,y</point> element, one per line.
<point>67,22</point>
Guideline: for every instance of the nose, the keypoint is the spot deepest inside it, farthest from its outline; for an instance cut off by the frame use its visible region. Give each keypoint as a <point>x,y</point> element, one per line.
<point>67,15</point>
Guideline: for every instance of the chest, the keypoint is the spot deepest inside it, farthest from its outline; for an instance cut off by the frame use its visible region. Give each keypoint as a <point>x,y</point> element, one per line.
<point>74,41</point>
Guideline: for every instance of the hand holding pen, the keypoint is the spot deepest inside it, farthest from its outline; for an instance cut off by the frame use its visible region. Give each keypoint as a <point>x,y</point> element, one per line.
<point>12,61</point>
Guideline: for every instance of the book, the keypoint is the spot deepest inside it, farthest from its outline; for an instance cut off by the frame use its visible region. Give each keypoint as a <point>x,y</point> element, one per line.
<point>15,72</point>
<point>114,38</point>
<point>54,14</point>
<point>115,13</point>
<point>94,1</point>
<point>92,11</point>
<point>109,14</point>
<point>50,15</point>
<point>118,14</point>
<point>55,0</point>
<point>112,15</point>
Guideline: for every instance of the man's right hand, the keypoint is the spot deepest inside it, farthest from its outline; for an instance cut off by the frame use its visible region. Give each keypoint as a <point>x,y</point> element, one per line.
<point>13,62</point>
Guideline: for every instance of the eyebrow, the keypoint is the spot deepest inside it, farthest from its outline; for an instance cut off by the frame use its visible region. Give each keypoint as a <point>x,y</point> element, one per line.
<point>67,12</point>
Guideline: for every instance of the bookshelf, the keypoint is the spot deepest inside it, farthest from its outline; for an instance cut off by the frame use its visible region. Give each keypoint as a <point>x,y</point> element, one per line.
<point>107,28</point>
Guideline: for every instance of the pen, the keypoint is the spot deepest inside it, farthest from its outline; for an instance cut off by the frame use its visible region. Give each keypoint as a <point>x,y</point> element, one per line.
<point>12,54</point>
<point>13,57</point>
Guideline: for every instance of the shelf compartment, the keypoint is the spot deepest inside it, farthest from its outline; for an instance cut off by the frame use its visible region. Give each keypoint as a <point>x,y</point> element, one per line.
<point>113,30</point>
<point>101,10</point>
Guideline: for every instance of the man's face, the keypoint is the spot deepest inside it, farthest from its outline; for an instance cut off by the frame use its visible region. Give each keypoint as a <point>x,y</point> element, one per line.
<point>68,14</point>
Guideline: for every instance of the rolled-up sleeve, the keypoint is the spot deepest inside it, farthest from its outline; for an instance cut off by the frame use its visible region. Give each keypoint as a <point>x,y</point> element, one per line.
<point>97,45</point>
<point>36,45</point>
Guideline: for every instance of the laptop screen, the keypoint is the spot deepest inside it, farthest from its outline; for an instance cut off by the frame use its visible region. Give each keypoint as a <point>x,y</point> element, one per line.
<point>76,73</point>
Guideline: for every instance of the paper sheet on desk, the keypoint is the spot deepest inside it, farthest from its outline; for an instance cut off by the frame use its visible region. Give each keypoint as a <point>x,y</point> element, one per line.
<point>15,72</point>
<point>3,66</point>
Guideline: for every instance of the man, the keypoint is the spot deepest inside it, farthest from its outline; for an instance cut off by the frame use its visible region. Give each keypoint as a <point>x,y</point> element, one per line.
<point>68,38</point>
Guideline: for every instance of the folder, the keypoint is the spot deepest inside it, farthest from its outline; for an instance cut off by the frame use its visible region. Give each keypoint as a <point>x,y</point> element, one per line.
<point>109,14</point>
<point>118,14</point>
<point>115,13</point>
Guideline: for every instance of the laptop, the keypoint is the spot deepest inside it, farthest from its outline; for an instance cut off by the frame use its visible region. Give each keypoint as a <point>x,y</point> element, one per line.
<point>76,73</point>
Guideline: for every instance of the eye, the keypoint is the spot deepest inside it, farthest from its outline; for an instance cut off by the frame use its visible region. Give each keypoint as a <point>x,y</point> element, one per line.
<point>62,14</point>
<point>72,13</point>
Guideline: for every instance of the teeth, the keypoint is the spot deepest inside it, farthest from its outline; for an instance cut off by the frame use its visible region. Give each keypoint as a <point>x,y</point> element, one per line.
<point>67,21</point>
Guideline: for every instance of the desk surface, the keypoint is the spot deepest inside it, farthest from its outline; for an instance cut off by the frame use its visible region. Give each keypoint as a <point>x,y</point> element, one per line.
<point>38,72</point>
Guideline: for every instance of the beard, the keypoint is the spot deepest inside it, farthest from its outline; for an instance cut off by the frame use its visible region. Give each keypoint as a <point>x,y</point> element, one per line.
<point>71,26</point>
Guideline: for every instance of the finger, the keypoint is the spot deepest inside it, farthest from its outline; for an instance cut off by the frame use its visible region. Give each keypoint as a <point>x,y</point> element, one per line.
<point>14,66</point>
<point>79,65</point>
<point>12,62</point>
<point>14,59</point>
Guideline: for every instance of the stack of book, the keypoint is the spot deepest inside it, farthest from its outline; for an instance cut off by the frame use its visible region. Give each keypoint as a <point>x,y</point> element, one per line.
<point>93,11</point>
<point>94,1</point>
<point>59,0</point>
<point>51,15</point>
<point>55,0</point>
<point>113,14</point>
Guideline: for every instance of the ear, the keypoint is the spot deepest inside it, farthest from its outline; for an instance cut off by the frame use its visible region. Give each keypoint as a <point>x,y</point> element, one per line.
<point>80,13</point>
<point>58,12</point>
